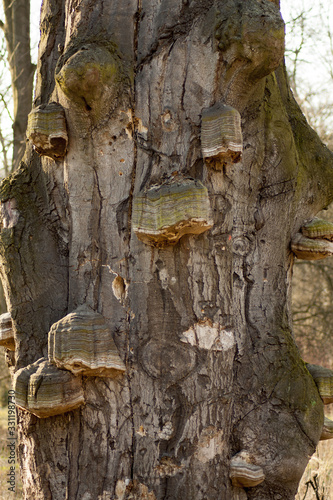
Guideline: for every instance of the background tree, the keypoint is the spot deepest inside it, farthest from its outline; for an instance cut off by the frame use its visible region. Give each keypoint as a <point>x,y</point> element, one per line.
<point>309,53</point>
<point>6,139</point>
<point>17,33</point>
<point>203,325</point>
<point>312,308</point>
<point>15,59</point>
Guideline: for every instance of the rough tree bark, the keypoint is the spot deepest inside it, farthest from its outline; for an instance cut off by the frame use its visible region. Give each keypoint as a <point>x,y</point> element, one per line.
<point>203,326</point>
<point>17,34</point>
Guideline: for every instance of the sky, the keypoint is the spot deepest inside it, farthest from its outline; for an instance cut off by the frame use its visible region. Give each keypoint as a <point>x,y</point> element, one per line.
<point>35,6</point>
<point>318,17</point>
<point>309,27</point>
<point>315,21</point>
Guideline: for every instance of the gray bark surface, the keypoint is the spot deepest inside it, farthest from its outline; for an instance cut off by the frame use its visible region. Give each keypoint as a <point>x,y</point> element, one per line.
<point>203,327</point>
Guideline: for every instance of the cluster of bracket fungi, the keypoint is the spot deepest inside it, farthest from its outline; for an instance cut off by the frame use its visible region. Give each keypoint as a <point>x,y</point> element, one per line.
<point>161,214</point>
<point>314,241</point>
<point>76,346</point>
<point>81,343</point>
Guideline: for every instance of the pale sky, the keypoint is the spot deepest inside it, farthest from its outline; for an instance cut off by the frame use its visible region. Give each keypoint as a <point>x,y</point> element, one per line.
<point>315,45</point>
<point>35,6</point>
<point>316,56</point>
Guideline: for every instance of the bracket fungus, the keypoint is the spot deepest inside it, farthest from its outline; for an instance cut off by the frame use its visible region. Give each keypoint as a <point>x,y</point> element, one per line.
<point>221,135</point>
<point>47,130</point>
<point>318,228</point>
<point>44,390</point>
<point>82,343</point>
<point>314,241</point>
<point>323,378</point>
<point>163,214</point>
<point>327,432</point>
<point>6,332</point>
<point>243,473</point>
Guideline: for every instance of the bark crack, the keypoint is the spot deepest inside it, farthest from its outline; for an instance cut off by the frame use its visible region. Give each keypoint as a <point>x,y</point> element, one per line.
<point>137,17</point>
<point>136,20</point>
<point>96,248</point>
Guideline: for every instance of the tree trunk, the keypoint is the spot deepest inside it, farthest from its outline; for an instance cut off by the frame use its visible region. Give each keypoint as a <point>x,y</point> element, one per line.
<point>201,323</point>
<point>17,33</point>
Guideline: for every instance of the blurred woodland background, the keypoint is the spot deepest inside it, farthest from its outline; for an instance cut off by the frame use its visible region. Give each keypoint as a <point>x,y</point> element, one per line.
<point>309,61</point>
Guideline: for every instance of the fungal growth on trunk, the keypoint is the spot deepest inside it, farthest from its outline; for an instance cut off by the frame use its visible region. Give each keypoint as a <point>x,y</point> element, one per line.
<point>314,241</point>
<point>323,378</point>
<point>82,343</point>
<point>47,130</point>
<point>311,249</point>
<point>318,229</point>
<point>163,214</point>
<point>327,432</point>
<point>169,214</point>
<point>7,339</point>
<point>44,390</point>
<point>221,135</point>
<point>243,473</point>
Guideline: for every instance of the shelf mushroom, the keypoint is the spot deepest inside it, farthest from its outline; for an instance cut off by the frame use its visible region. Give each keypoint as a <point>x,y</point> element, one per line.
<point>44,390</point>
<point>82,343</point>
<point>221,135</point>
<point>323,378</point>
<point>314,241</point>
<point>6,332</point>
<point>243,472</point>
<point>163,214</point>
<point>47,130</point>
